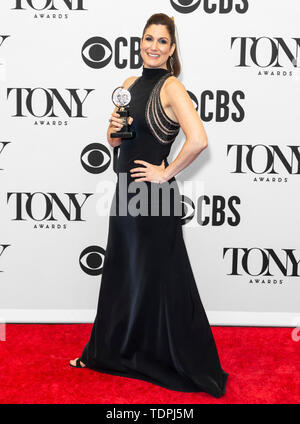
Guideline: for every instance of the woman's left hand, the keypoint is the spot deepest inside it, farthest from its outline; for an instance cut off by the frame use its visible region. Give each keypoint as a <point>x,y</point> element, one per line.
<point>152,173</point>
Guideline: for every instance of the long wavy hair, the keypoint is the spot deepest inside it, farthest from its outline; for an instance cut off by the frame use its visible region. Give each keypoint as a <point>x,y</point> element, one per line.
<point>162,19</point>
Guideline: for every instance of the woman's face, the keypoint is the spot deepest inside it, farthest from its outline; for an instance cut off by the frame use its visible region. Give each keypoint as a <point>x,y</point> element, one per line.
<point>156,47</point>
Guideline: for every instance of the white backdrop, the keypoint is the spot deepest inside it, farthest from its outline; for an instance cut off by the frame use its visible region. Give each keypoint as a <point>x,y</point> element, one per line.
<point>59,63</point>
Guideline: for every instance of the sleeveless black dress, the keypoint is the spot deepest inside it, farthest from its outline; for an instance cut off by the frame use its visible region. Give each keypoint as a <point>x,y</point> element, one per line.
<point>150,322</point>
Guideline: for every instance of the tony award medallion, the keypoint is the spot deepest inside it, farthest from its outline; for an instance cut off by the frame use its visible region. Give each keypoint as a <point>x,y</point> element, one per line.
<point>121,98</point>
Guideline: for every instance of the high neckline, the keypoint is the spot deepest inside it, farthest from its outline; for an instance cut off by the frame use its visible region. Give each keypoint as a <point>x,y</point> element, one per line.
<point>152,73</point>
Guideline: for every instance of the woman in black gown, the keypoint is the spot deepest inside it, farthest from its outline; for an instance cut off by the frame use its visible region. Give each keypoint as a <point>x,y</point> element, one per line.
<point>150,322</point>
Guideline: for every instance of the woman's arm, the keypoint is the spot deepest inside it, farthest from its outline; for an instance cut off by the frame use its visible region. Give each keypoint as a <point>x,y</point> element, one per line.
<point>116,123</point>
<point>196,139</point>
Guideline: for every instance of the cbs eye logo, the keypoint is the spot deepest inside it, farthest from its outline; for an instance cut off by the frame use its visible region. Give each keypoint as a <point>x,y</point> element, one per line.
<point>91,260</point>
<point>95,158</point>
<point>221,6</point>
<point>96,52</point>
<point>194,100</point>
<point>188,209</point>
<point>185,6</point>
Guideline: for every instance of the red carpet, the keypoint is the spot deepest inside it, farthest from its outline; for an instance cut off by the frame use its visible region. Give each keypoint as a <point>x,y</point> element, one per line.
<point>263,366</point>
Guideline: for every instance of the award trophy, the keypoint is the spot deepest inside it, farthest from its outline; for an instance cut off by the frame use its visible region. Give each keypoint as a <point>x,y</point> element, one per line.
<point>121,98</point>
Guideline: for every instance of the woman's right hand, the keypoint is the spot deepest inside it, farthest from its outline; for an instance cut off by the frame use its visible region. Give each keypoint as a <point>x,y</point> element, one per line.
<point>117,122</point>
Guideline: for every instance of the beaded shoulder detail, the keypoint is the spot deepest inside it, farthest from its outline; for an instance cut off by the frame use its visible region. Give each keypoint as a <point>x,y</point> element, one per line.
<point>162,127</point>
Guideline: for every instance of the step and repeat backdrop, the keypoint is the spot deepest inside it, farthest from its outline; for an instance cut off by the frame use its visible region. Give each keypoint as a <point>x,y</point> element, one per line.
<point>60,60</point>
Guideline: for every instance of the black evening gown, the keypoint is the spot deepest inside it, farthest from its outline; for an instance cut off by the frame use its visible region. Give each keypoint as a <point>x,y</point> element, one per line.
<point>150,322</point>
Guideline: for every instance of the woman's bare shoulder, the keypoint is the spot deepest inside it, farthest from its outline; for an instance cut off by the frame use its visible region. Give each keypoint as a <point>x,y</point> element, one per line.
<point>129,81</point>
<point>173,81</point>
<point>172,85</point>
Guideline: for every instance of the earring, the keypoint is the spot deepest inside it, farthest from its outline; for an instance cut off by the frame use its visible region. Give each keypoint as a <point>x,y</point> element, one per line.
<point>171,64</point>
